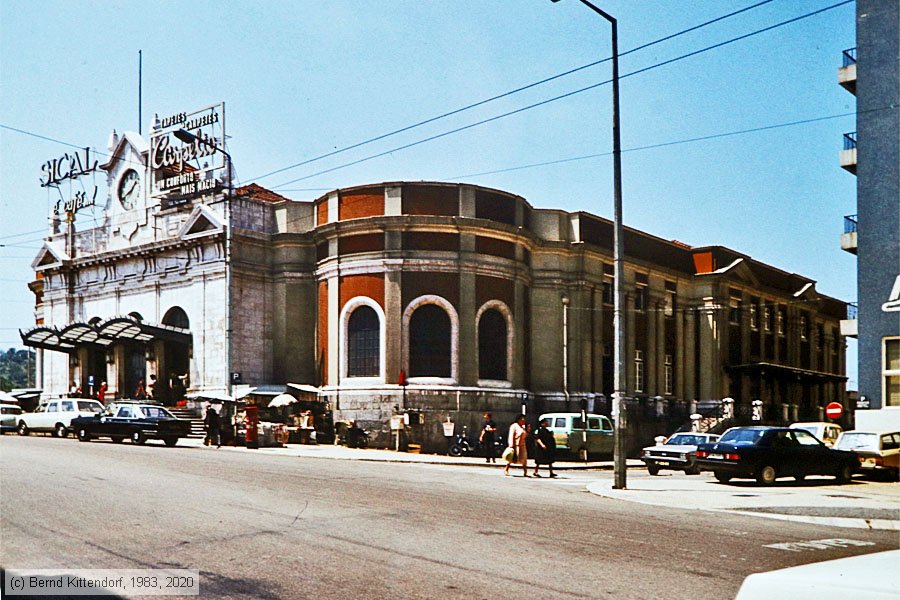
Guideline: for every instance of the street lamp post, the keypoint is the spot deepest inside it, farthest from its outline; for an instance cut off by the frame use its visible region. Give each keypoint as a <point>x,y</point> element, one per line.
<point>619,264</point>
<point>188,138</point>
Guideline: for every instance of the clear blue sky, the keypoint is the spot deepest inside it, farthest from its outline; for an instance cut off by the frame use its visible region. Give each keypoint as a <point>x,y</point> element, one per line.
<point>302,78</point>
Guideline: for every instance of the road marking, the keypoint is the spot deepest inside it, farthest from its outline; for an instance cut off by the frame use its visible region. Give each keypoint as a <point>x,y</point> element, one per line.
<point>825,544</point>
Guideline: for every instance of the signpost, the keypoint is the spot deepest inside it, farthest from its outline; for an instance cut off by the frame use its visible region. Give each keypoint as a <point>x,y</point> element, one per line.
<point>834,410</point>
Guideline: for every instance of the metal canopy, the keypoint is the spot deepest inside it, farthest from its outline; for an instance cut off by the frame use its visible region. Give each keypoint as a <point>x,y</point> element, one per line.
<point>103,334</point>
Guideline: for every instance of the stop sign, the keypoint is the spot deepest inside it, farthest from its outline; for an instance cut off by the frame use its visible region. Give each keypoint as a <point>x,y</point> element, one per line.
<point>834,410</point>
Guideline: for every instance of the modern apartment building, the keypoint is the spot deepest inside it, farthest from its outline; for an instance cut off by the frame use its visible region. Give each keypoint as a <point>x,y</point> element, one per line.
<point>871,71</point>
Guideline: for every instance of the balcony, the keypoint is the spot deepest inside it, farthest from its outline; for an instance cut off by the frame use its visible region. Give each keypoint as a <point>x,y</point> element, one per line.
<point>850,325</point>
<point>848,238</point>
<point>847,73</point>
<point>848,154</point>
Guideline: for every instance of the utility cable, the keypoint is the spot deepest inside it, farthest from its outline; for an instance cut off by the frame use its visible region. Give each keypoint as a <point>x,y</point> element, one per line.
<point>507,94</point>
<point>562,96</point>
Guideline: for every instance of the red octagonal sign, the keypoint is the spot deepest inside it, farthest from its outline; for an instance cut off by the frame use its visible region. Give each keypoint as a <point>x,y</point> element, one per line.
<point>834,410</point>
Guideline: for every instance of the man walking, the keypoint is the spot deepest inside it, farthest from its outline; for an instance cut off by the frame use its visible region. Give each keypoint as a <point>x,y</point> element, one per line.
<point>518,437</point>
<point>487,438</point>
<point>213,428</point>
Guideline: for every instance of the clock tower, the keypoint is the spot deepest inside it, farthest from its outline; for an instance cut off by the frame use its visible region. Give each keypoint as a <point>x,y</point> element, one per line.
<point>127,214</point>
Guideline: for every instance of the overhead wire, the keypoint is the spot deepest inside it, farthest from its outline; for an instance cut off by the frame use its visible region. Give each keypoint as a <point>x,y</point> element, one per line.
<point>563,96</point>
<point>507,94</point>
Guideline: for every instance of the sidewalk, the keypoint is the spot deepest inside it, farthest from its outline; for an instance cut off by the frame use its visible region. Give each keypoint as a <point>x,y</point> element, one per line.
<point>862,504</point>
<point>333,452</point>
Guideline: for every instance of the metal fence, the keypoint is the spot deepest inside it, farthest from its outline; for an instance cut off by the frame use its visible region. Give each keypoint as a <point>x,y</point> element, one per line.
<point>850,141</point>
<point>850,223</point>
<point>849,56</point>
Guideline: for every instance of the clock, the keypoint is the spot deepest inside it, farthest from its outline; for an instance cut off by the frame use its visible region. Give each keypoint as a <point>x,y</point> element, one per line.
<point>129,189</point>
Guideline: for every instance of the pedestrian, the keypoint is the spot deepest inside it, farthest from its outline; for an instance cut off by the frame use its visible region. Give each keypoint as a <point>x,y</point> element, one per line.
<point>151,387</point>
<point>213,428</point>
<point>487,438</point>
<point>518,437</point>
<point>101,393</point>
<point>139,392</point>
<point>544,448</point>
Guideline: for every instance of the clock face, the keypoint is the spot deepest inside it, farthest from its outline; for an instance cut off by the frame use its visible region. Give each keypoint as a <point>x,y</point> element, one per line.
<point>129,189</point>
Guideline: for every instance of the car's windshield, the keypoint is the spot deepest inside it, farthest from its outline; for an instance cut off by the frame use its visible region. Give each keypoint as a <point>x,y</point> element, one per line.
<point>742,437</point>
<point>686,439</point>
<point>858,441</point>
<point>87,406</point>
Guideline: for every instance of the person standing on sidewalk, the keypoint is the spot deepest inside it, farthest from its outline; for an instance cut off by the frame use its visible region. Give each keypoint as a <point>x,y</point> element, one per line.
<point>213,428</point>
<point>487,438</point>
<point>518,437</point>
<point>545,448</point>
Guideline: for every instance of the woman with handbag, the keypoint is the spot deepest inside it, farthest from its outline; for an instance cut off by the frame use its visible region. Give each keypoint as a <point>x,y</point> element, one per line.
<point>518,437</point>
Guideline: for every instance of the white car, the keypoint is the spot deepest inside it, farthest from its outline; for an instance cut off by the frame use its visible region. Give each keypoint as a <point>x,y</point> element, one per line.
<point>825,432</point>
<point>57,415</point>
<point>678,453</point>
<point>9,417</point>
<point>878,451</point>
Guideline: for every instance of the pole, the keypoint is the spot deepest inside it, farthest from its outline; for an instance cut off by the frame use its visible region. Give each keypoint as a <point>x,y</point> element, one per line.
<point>565,342</point>
<point>619,264</point>
<point>140,82</point>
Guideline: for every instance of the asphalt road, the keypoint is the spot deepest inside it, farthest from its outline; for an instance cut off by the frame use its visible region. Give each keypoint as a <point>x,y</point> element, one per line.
<point>261,526</point>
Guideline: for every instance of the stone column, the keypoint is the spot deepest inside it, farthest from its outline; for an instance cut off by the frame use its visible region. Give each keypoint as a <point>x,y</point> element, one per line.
<point>517,377</point>
<point>468,337</point>
<point>334,334</point>
<point>393,325</point>
<point>709,354</point>
<point>660,349</point>
<point>651,360</point>
<point>689,355</point>
<point>629,343</point>
<point>679,354</point>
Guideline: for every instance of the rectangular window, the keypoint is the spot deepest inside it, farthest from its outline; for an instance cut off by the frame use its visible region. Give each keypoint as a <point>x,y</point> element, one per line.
<point>734,311</point>
<point>767,319</point>
<point>803,324</point>
<point>670,375</point>
<point>779,321</point>
<point>640,298</point>
<point>891,371</point>
<point>754,318</point>
<point>670,304</point>
<point>608,292</point>
<point>638,371</point>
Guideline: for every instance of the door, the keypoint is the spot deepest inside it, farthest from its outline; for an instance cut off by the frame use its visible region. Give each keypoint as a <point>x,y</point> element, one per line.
<point>600,434</point>
<point>812,457</point>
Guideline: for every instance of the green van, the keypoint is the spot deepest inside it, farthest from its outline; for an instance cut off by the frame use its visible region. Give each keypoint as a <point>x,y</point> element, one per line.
<point>571,435</point>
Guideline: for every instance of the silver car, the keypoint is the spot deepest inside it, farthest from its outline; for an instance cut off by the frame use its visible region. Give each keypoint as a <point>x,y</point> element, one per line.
<point>9,417</point>
<point>677,453</point>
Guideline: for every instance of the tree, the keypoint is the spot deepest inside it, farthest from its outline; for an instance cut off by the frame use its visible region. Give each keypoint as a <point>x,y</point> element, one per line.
<point>16,369</point>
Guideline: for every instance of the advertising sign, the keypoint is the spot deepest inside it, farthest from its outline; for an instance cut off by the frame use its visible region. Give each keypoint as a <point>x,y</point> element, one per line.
<point>186,156</point>
<point>68,168</point>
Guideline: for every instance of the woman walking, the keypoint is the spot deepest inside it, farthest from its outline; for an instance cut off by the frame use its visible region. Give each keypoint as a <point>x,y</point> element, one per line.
<point>544,449</point>
<point>518,437</point>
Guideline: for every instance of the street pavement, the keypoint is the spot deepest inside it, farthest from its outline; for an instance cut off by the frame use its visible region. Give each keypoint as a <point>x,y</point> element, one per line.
<point>264,525</point>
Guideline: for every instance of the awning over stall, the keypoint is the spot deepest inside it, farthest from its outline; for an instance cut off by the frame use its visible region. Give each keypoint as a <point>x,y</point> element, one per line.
<point>101,334</point>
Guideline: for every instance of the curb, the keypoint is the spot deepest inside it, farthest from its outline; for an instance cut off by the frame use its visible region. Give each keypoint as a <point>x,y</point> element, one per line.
<point>599,488</point>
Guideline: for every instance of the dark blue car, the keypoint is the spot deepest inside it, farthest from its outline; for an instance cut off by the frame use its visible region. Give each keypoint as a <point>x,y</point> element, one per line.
<point>767,453</point>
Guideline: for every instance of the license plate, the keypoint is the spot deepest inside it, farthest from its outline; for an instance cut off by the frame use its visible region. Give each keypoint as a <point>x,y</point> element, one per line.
<point>715,457</point>
<point>663,463</point>
<point>869,462</point>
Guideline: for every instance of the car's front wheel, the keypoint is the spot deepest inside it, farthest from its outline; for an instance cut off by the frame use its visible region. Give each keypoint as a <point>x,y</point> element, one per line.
<point>83,435</point>
<point>845,474</point>
<point>171,441</point>
<point>138,437</point>
<point>766,475</point>
<point>722,477</point>
<point>653,469</point>
<point>61,430</point>
<point>23,428</point>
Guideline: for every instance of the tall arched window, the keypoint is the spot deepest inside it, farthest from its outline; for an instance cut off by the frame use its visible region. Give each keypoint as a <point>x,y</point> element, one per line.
<point>363,343</point>
<point>492,341</point>
<point>430,342</point>
<point>176,317</point>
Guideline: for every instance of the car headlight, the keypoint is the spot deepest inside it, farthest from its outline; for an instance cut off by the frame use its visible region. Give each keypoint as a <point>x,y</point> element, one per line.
<point>682,456</point>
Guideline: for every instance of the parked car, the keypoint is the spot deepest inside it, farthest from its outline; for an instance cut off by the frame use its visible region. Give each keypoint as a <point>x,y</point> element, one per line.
<point>826,432</point>
<point>9,417</point>
<point>878,451</point>
<point>572,436</point>
<point>767,453</point>
<point>138,421</point>
<point>57,415</point>
<point>678,453</point>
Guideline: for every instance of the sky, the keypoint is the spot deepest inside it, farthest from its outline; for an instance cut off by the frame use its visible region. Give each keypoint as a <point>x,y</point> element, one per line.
<point>301,79</point>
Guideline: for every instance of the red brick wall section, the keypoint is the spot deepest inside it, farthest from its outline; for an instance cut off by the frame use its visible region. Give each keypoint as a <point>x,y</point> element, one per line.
<point>417,284</point>
<point>360,204</point>
<point>431,241</point>
<point>495,247</point>
<point>494,288</point>
<point>431,200</point>
<point>322,212</point>
<point>369,242</point>
<point>371,286</point>
<point>322,354</point>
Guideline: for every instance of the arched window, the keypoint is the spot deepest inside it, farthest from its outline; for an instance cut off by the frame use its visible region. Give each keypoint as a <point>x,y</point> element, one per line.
<point>176,317</point>
<point>363,343</point>
<point>430,342</point>
<point>492,341</point>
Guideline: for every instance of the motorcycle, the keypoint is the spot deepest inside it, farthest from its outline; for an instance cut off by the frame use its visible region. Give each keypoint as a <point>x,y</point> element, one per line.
<point>461,446</point>
<point>352,436</point>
